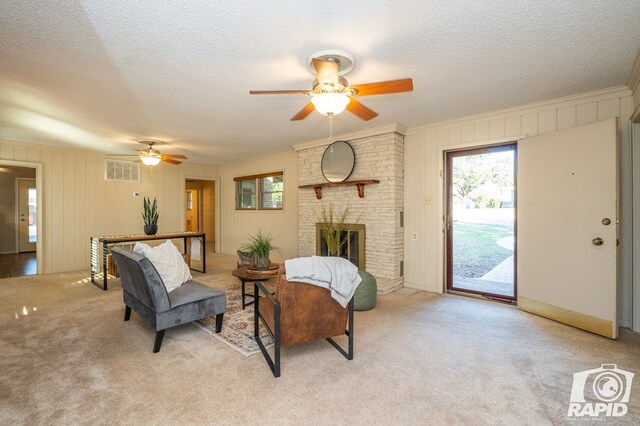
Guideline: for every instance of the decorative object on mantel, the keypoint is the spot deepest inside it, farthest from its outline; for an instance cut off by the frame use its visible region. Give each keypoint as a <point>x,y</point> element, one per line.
<point>359,184</point>
<point>259,245</point>
<point>150,216</point>
<point>338,161</point>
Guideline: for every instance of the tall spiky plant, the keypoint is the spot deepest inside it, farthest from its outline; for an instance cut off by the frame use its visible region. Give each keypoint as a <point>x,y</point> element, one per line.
<point>150,212</point>
<point>331,226</point>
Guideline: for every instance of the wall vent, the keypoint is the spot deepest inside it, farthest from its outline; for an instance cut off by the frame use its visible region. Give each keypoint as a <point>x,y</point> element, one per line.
<point>121,171</point>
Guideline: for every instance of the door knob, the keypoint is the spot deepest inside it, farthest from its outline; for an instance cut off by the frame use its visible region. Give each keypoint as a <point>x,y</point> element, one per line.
<point>597,241</point>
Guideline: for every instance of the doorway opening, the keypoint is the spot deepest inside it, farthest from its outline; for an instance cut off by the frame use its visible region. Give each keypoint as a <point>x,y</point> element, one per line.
<point>200,214</point>
<point>480,221</point>
<point>19,236</point>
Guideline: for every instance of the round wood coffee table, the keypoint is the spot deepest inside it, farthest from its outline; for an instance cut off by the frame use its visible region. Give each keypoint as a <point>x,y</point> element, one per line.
<point>245,274</point>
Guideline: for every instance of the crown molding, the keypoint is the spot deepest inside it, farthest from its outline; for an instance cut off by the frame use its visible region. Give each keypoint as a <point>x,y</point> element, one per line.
<point>635,117</point>
<point>634,77</point>
<point>393,128</point>
<point>593,96</point>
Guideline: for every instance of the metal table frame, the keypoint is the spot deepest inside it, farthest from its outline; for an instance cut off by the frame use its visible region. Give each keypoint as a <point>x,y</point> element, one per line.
<point>115,239</point>
<point>245,276</point>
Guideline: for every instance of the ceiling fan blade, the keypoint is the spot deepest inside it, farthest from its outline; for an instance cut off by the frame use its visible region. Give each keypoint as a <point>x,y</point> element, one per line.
<point>384,87</point>
<point>302,114</point>
<point>278,92</point>
<point>360,110</point>
<point>170,161</point>
<point>184,157</point>
<point>327,71</point>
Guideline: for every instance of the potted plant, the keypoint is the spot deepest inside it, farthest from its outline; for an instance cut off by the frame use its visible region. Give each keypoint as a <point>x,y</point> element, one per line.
<point>259,246</point>
<point>332,228</point>
<point>150,216</point>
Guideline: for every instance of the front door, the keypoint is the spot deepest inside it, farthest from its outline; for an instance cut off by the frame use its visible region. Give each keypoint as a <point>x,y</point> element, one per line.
<point>27,216</point>
<point>567,226</point>
<point>480,221</point>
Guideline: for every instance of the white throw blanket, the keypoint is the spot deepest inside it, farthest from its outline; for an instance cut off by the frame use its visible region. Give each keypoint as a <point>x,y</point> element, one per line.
<point>334,273</point>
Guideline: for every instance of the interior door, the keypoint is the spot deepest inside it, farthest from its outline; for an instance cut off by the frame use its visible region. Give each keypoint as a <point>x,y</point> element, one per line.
<point>191,213</point>
<point>27,217</point>
<point>567,226</point>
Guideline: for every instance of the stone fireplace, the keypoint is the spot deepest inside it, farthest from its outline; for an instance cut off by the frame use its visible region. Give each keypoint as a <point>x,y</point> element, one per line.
<point>378,157</point>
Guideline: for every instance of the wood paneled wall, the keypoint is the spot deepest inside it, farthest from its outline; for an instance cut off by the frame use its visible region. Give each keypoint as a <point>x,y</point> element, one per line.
<point>424,146</point>
<point>634,84</point>
<point>209,211</point>
<point>78,203</point>
<point>283,224</point>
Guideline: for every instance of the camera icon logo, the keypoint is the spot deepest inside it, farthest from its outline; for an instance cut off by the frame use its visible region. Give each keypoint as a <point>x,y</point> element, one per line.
<point>605,390</point>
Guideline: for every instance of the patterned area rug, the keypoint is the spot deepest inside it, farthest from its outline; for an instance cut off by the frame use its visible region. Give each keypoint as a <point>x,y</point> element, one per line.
<point>237,326</point>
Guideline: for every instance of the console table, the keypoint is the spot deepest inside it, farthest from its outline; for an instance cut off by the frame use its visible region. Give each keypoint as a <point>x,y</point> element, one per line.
<point>106,241</point>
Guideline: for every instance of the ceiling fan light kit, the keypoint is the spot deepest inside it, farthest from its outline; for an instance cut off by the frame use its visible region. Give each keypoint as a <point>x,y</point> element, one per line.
<point>331,93</point>
<point>150,158</point>
<point>330,103</point>
<point>153,157</point>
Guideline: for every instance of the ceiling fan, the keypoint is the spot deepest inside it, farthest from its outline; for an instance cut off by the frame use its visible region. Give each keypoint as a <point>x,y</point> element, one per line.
<point>152,157</point>
<point>331,93</point>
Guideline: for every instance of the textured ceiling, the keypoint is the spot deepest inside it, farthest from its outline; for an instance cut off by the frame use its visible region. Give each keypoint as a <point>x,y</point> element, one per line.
<point>102,74</point>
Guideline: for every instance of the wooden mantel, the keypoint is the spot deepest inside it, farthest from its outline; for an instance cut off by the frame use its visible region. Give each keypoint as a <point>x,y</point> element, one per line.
<point>359,184</point>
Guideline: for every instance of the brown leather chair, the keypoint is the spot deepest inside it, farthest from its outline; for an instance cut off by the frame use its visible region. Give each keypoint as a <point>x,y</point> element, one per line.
<point>297,313</point>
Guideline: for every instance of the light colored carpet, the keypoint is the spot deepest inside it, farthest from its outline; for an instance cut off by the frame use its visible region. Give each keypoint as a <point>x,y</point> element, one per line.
<point>420,358</point>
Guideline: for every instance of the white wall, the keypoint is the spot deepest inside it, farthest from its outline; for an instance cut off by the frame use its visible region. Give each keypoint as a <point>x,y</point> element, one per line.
<point>78,203</point>
<point>424,146</point>
<point>282,224</point>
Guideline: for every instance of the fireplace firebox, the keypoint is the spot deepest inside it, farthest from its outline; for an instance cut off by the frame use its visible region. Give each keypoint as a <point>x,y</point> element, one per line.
<point>354,247</point>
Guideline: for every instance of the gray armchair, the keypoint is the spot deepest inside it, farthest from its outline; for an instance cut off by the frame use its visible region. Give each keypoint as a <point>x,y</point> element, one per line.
<point>145,293</point>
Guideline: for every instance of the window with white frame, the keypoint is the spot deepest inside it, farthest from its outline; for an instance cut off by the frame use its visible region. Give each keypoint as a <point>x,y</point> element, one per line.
<point>260,192</point>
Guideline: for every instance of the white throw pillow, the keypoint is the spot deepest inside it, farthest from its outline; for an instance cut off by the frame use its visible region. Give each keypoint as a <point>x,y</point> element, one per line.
<point>140,248</point>
<point>168,261</point>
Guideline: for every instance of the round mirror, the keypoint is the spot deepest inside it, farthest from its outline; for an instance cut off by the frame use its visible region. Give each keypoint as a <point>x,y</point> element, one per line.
<point>338,161</point>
